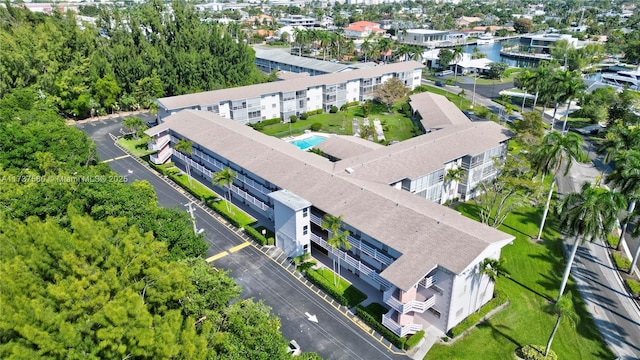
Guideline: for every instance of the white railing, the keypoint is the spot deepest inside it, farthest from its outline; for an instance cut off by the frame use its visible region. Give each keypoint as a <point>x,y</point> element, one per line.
<point>356,264</point>
<point>388,322</point>
<point>161,157</point>
<point>358,244</point>
<point>403,308</point>
<point>253,200</point>
<point>428,281</point>
<point>159,143</point>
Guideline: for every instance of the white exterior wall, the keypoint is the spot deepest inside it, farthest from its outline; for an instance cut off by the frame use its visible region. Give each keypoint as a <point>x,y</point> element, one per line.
<point>270,106</point>
<point>450,191</point>
<point>353,90</point>
<point>470,290</point>
<point>289,227</point>
<point>417,78</point>
<point>225,110</point>
<point>314,95</point>
<point>386,77</point>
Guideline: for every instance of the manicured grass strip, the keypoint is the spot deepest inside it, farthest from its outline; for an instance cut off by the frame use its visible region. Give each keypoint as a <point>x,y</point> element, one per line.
<point>535,270</point>
<point>634,286</point>
<point>345,293</point>
<point>613,240</point>
<point>621,260</point>
<point>498,299</point>
<point>138,147</point>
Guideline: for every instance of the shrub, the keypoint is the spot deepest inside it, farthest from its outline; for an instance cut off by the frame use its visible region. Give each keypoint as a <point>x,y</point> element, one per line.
<point>376,324</point>
<point>536,352</point>
<point>271,240</point>
<point>621,260</point>
<point>344,107</point>
<point>499,298</point>
<point>482,112</point>
<point>304,116</point>
<point>334,109</point>
<point>271,121</point>
<point>316,126</point>
<point>320,282</point>
<point>413,340</point>
<point>353,103</point>
<point>255,235</point>
<point>293,119</point>
<point>257,126</point>
<point>634,287</point>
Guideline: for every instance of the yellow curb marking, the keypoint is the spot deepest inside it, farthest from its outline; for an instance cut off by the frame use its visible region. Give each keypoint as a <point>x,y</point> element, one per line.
<point>217,256</point>
<point>116,158</point>
<point>241,246</point>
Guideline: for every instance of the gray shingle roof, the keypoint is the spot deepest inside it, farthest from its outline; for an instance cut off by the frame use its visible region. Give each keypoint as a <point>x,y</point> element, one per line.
<point>343,146</point>
<point>253,91</point>
<point>436,111</point>
<point>425,233</point>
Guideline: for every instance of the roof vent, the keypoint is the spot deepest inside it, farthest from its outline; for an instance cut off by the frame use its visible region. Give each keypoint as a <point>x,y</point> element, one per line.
<point>349,170</point>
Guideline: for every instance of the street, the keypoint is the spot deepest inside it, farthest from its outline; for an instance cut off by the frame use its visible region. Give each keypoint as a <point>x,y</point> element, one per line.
<point>334,336</point>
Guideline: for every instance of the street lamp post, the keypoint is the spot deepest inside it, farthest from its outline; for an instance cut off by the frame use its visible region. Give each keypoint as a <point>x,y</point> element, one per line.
<point>473,97</point>
<point>524,98</point>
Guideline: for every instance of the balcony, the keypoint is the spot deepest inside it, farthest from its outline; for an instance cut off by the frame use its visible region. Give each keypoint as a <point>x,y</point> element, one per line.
<point>159,143</point>
<point>428,281</point>
<point>420,305</point>
<point>390,321</point>
<point>358,244</point>
<point>346,258</point>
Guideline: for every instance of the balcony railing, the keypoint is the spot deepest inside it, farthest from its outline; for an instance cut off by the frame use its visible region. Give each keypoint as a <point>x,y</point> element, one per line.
<point>403,308</point>
<point>387,321</point>
<point>159,143</point>
<point>356,264</point>
<point>428,281</point>
<point>358,244</point>
<point>161,157</point>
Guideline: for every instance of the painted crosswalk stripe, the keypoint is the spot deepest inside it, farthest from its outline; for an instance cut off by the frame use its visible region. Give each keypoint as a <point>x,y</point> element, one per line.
<point>217,256</point>
<point>239,247</point>
<point>116,158</point>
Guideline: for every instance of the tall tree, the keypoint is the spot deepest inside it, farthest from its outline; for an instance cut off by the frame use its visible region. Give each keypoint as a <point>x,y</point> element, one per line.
<point>625,178</point>
<point>458,54</point>
<point>554,152</point>
<point>573,86</point>
<point>589,215</point>
<point>337,240</point>
<point>186,147</point>
<point>562,309</point>
<point>225,177</point>
<point>391,91</point>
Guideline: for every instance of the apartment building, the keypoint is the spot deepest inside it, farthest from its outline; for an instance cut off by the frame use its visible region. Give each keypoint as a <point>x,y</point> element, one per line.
<point>431,38</point>
<point>281,99</point>
<point>424,257</point>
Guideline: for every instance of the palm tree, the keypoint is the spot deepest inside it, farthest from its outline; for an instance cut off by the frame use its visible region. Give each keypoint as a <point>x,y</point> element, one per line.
<point>458,54</point>
<point>549,156</point>
<point>337,239</point>
<point>384,45</point>
<point>527,81</point>
<point>185,146</point>
<point>492,268</point>
<point>634,217</point>
<point>590,215</point>
<point>572,87</point>
<point>225,177</point>
<point>366,48</point>
<point>626,179</point>
<point>560,308</point>
<point>452,175</point>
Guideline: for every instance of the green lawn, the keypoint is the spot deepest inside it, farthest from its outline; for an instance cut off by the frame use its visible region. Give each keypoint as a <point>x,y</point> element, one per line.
<point>535,271</point>
<point>397,126</point>
<point>137,147</point>
<point>459,101</point>
<point>353,295</point>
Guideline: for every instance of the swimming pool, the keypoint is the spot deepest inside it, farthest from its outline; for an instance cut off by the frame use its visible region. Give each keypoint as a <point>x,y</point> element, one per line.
<point>309,142</point>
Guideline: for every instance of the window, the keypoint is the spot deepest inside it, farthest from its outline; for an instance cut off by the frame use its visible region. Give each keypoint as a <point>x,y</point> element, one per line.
<point>305,212</point>
<point>273,106</point>
<point>459,312</point>
<point>305,230</point>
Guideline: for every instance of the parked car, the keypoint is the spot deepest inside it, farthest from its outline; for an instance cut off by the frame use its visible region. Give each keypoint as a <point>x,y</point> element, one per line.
<point>294,348</point>
<point>445,73</point>
<point>440,83</point>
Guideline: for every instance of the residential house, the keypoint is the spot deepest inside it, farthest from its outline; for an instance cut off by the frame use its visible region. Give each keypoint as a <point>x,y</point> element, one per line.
<point>362,29</point>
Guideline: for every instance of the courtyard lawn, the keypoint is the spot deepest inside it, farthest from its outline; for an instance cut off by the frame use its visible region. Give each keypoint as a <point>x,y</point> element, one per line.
<point>138,147</point>
<point>396,126</point>
<point>535,270</point>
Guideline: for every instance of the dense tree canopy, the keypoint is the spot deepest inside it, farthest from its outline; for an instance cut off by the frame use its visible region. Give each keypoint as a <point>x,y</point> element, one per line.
<point>125,61</point>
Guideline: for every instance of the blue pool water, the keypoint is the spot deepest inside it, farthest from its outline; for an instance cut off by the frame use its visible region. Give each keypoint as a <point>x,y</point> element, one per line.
<point>309,142</point>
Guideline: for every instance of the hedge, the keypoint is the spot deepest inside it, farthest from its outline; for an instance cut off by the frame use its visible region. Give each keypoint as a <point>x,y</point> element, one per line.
<point>536,352</point>
<point>319,281</point>
<point>255,235</point>
<point>634,286</point>
<point>499,298</point>
<point>413,340</point>
<point>374,323</point>
<point>621,260</point>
